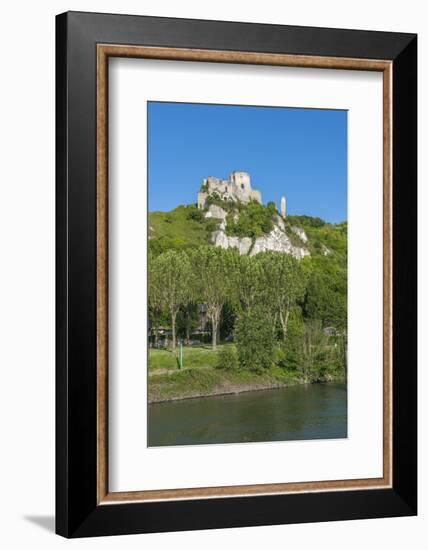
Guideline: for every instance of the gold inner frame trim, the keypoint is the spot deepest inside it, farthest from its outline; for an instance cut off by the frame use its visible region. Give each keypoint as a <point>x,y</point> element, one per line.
<point>104,51</point>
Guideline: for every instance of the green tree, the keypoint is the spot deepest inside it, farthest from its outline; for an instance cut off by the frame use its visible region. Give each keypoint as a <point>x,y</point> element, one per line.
<point>187,318</point>
<point>253,221</point>
<point>172,272</point>
<point>154,297</point>
<point>193,213</point>
<point>227,320</point>
<point>311,352</point>
<point>250,282</point>
<point>254,339</point>
<point>284,285</point>
<point>227,358</point>
<point>326,292</point>
<point>316,352</point>
<point>214,275</point>
<point>190,310</point>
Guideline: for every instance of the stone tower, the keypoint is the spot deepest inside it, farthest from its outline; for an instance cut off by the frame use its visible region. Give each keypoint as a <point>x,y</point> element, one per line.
<point>283,205</point>
<point>236,188</point>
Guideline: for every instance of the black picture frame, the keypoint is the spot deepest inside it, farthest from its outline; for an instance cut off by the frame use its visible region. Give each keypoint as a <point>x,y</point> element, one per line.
<point>77,511</point>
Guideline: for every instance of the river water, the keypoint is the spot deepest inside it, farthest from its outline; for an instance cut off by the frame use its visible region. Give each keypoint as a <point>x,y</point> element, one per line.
<point>314,411</point>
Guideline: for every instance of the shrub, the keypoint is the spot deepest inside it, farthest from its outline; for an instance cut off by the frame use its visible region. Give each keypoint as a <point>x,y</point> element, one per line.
<point>211,225</point>
<point>227,358</point>
<point>254,220</point>
<point>194,214</point>
<point>255,340</point>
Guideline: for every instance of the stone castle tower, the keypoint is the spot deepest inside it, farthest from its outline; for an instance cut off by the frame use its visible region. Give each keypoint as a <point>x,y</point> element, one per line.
<point>236,188</point>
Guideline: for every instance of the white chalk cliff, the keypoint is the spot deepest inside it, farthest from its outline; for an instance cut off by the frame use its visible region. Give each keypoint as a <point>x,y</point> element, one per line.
<point>277,240</point>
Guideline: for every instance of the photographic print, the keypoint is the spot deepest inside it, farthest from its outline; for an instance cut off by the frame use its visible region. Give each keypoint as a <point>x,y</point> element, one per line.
<point>214,314</point>
<point>247,274</point>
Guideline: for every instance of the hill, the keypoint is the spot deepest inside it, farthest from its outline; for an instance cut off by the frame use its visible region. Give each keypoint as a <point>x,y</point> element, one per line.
<point>183,227</point>
<point>281,302</point>
<point>186,227</point>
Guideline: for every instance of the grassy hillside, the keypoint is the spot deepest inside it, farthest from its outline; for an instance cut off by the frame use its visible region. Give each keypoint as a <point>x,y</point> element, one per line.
<point>264,354</point>
<point>322,234</point>
<point>186,227</point>
<point>181,228</point>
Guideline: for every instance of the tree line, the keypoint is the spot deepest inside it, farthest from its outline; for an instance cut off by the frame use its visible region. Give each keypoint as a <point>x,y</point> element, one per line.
<point>278,310</point>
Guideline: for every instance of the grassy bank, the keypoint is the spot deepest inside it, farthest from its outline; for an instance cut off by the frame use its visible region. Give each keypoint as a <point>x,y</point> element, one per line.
<point>195,357</point>
<point>211,381</point>
<point>200,377</point>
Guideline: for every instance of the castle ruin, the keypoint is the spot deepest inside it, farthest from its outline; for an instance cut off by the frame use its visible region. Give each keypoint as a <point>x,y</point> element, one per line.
<point>236,188</point>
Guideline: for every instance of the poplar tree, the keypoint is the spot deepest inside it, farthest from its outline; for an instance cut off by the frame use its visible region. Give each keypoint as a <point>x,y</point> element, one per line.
<point>154,295</point>
<point>284,285</point>
<point>215,276</point>
<point>172,272</point>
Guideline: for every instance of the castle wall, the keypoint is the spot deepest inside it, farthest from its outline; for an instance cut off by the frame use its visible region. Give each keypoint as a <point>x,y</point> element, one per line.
<point>242,180</point>
<point>237,187</point>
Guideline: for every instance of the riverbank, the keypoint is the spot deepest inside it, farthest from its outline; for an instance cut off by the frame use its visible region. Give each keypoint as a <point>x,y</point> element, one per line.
<point>191,383</point>
<point>200,376</point>
<point>207,382</point>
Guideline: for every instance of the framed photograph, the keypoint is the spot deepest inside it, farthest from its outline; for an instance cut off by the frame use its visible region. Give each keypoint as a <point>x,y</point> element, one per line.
<point>236,274</point>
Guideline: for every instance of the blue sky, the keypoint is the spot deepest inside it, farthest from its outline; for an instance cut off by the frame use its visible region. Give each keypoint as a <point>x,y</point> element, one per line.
<point>301,153</point>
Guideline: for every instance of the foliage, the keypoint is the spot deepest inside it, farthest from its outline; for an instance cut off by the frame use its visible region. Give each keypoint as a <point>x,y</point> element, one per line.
<point>326,291</point>
<point>251,282</point>
<point>194,382</point>
<point>183,231</point>
<point>211,224</point>
<point>213,269</point>
<point>155,297</point>
<point>193,213</point>
<point>188,318</point>
<point>312,353</point>
<point>229,205</point>
<point>227,358</point>
<point>278,310</point>
<point>306,221</point>
<point>254,221</point>
<point>284,285</point>
<point>227,321</point>
<point>171,274</point>
<point>254,339</point>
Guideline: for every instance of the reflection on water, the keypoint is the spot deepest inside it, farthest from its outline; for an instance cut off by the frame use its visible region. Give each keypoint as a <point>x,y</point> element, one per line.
<point>316,411</point>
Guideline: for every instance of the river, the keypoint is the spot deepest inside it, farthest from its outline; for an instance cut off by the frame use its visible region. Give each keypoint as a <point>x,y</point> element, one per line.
<point>314,411</point>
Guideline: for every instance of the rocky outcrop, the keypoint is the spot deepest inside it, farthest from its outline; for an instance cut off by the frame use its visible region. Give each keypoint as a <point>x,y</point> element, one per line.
<point>278,241</point>
<point>326,251</point>
<point>215,211</point>
<point>279,222</point>
<point>300,233</point>
<point>243,244</point>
